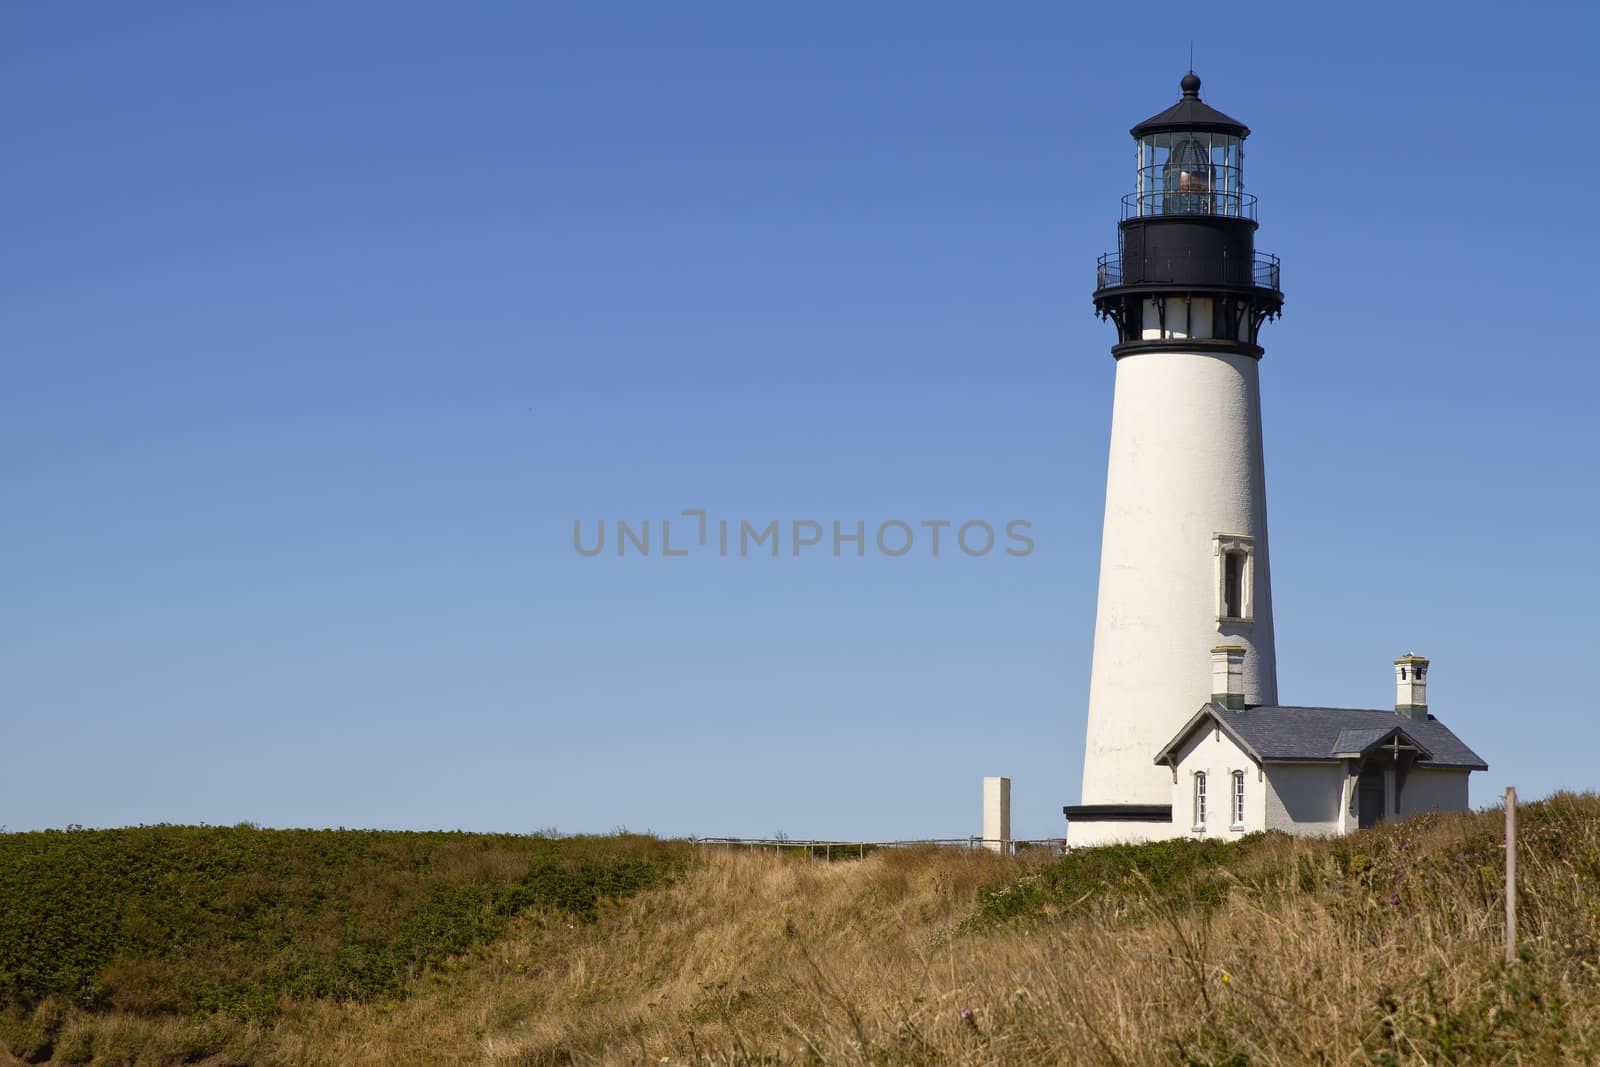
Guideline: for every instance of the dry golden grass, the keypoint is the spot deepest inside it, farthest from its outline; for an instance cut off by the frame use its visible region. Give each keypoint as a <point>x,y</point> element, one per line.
<point>1383,948</point>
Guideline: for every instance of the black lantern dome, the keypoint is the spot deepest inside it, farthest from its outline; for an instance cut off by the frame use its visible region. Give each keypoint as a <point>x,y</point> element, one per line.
<point>1192,113</point>
<point>1188,232</point>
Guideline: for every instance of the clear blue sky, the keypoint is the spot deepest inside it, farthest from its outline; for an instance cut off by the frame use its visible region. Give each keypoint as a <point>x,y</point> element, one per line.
<point>324,322</point>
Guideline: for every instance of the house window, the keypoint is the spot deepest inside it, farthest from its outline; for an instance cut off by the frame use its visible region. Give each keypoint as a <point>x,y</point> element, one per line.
<point>1200,800</point>
<point>1235,554</point>
<point>1238,798</point>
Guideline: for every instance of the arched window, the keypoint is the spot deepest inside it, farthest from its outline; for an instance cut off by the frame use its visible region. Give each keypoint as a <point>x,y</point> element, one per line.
<point>1238,798</point>
<point>1199,800</point>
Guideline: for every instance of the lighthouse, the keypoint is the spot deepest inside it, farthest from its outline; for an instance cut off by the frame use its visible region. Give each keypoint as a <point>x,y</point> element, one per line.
<point>1185,581</point>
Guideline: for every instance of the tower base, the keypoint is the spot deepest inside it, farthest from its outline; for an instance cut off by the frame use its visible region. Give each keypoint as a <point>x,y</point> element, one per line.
<point>1109,824</point>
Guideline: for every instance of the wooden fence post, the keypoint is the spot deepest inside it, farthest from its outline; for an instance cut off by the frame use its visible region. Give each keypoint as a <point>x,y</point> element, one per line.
<point>1511,874</point>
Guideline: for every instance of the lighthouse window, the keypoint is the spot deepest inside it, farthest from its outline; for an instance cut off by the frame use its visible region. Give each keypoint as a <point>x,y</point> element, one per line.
<point>1234,577</point>
<point>1238,799</point>
<point>1189,172</point>
<point>1199,800</point>
<point>1186,180</point>
<point>1233,598</point>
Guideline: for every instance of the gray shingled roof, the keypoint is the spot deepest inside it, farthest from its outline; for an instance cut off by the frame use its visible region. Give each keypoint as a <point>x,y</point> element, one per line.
<point>1283,735</point>
<point>1355,742</point>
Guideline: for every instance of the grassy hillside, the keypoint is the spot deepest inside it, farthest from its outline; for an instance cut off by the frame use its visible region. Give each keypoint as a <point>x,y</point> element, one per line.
<point>1384,947</point>
<point>193,921</point>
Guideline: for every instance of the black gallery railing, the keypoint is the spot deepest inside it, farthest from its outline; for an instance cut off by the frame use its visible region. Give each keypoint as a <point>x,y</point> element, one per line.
<point>1185,202</point>
<point>1262,271</point>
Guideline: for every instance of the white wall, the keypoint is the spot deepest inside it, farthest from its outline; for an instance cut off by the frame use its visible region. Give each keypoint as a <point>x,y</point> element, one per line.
<point>1214,752</point>
<point>1185,464</point>
<point>1086,834</point>
<point>1184,320</point>
<point>1430,789</point>
<point>1304,798</point>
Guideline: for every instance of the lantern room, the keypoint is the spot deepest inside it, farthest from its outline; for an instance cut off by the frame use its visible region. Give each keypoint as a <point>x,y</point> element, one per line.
<point>1190,161</point>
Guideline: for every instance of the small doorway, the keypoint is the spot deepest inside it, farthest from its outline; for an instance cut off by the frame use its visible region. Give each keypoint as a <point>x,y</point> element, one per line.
<point>1369,796</point>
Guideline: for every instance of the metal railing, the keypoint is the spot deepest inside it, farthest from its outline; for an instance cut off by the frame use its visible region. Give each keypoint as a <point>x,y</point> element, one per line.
<point>823,849</point>
<point>1161,202</point>
<point>1108,270</point>
<point>1265,272</point>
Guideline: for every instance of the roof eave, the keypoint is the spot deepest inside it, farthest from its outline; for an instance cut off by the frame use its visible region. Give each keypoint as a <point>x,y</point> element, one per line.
<point>1326,761</point>
<point>1152,126</point>
<point>1424,765</point>
<point>1192,113</point>
<point>1207,710</point>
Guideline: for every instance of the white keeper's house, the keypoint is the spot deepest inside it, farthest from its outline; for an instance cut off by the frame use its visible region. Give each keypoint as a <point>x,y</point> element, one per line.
<point>1186,735</point>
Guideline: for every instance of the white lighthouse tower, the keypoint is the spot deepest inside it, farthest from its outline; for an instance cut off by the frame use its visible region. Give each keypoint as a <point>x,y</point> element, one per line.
<point>1183,559</point>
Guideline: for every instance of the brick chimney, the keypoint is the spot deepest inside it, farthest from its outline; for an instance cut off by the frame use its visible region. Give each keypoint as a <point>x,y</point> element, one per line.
<point>1411,686</point>
<point>1227,676</point>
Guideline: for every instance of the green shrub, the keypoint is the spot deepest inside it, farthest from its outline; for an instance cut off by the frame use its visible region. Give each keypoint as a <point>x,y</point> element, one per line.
<point>1192,871</point>
<point>201,919</point>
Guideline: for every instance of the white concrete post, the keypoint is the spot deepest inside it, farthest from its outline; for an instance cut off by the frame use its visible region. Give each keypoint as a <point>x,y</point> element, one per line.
<point>997,814</point>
